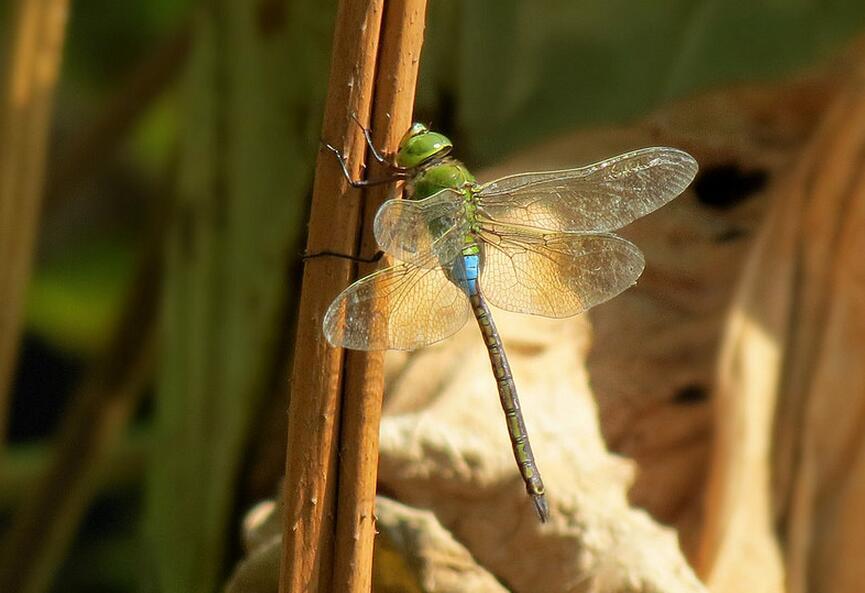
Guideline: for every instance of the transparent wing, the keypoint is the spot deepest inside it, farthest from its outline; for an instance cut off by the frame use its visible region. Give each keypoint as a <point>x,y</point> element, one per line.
<point>556,274</point>
<point>597,198</point>
<point>398,308</point>
<point>411,230</point>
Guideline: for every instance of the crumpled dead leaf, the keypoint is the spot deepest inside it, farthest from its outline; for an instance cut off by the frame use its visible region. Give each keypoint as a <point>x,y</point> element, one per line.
<point>414,553</point>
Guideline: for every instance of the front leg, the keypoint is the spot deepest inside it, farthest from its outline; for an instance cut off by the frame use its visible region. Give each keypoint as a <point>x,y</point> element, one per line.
<point>395,175</point>
<point>378,156</point>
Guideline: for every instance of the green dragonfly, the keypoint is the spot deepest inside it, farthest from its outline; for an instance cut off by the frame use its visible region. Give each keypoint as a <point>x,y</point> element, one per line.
<point>537,243</point>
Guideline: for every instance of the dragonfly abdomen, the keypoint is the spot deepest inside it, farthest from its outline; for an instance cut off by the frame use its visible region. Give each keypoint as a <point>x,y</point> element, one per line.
<point>466,269</point>
<point>511,405</point>
<point>465,272</point>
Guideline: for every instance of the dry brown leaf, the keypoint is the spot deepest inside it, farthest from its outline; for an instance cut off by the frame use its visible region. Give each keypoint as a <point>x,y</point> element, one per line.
<point>792,383</point>
<point>414,553</point>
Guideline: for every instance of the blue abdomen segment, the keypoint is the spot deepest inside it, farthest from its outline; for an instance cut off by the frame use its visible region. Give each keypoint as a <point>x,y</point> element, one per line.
<point>465,272</point>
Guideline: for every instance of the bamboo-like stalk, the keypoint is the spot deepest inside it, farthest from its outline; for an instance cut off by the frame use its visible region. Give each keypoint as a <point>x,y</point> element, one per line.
<point>37,30</point>
<point>396,80</point>
<point>314,409</point>
<point>318,554</point>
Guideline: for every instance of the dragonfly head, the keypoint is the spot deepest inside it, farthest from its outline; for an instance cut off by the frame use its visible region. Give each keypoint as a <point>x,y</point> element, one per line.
<point>420,145</point>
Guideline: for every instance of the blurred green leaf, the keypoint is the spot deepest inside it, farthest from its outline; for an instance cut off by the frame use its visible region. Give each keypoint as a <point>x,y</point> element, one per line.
<point>75,296</point>
<point>154,140</point>
<point>251,118</point>
<point>107,37</point>
<point>117,554</point>
<point>25,464</point>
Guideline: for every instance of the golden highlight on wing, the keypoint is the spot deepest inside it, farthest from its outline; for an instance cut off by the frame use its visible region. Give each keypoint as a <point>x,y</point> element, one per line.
<point>556,274</point>
<point>411,230</point>
<point>597,198</point>
<point>398,308</point>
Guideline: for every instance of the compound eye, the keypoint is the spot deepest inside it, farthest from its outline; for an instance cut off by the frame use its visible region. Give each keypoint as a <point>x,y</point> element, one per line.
<point>418,128</point>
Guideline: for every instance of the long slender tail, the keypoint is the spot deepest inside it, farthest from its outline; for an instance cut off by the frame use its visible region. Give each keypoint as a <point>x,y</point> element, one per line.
<point>511,405</point>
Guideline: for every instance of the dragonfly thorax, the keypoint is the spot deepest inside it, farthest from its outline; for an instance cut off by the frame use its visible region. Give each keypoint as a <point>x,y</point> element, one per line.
<point>446,173</point>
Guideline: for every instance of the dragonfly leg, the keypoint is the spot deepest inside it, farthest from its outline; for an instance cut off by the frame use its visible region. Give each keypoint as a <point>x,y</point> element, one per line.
<point>376,257</point>
<point>397,174</point>
<point>367,134</point>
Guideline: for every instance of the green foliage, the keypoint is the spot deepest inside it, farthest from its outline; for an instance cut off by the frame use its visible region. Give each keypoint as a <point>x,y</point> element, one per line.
<point>74,296</point>
<point>105,38</point>
<point>154,139</point>
<point>517,72</point>
<point>253,86</point>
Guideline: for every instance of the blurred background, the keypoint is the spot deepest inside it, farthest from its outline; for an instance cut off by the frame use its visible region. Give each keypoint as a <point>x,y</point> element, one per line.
<point>143,358</point>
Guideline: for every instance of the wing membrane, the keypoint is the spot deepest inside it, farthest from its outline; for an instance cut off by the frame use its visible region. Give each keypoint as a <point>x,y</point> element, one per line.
<point>597,198</point>
<point>412,230</point>
<point>556,274</point>
<point>398,308</point>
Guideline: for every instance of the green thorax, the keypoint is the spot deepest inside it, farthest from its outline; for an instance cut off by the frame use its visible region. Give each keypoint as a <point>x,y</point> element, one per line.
<point>446,173</point>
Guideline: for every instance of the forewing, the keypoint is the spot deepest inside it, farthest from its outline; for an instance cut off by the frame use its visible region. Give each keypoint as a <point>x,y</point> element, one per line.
<point>556,274</point>
<point>601,197</point>
<point>398,308</point>
<point>412,230</point>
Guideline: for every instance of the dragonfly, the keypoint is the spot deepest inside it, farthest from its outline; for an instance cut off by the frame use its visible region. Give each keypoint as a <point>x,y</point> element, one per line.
<point>538,243</point>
